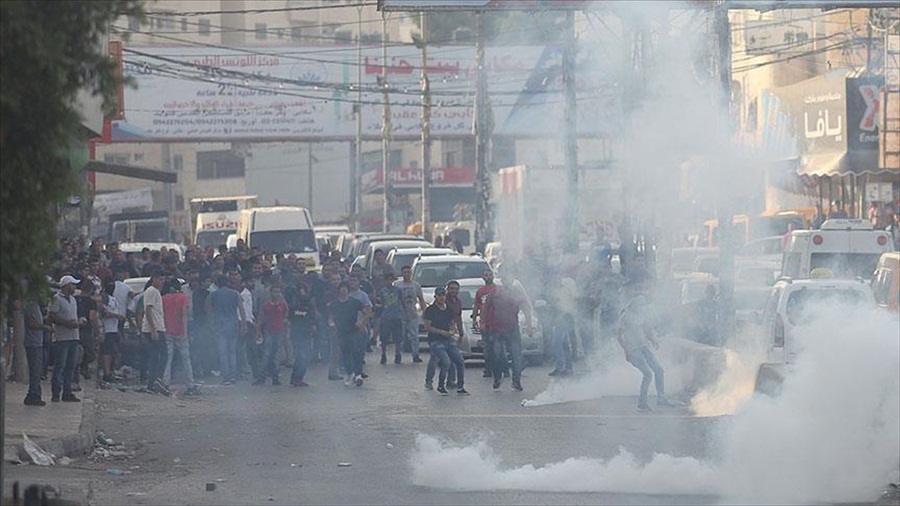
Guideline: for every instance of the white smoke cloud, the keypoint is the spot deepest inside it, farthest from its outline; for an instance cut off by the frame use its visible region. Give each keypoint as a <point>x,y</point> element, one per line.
<point>833,435</point>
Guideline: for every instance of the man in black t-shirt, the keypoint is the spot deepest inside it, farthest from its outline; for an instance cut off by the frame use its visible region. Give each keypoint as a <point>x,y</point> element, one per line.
<point>440,321</point>
<point>347,319</point>
<point>88,331</point>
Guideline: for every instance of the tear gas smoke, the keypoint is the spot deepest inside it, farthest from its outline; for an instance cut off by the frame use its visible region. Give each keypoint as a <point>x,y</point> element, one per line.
<point>833,435</point>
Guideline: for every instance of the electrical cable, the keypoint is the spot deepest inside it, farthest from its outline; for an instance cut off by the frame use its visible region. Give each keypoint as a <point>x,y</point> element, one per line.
<point>262,11</point>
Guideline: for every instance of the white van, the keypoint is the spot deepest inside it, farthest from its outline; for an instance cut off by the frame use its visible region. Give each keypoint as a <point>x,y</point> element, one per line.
<point>280,230</point>
<point>848,248</point>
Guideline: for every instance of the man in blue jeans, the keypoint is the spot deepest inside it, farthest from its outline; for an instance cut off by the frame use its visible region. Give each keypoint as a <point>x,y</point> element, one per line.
<point>440,323</point>
<point>503,307</point>
<point>34,351</point>
<point>63,312</point>
<point>636,336</point>
<point>229,321</point>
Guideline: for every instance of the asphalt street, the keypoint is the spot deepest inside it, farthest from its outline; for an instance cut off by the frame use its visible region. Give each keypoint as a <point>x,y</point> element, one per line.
<point>331,444</point>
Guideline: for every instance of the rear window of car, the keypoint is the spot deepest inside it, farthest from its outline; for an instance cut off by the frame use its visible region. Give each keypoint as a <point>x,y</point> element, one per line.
<point>439,273</point>
<point>801,304</point>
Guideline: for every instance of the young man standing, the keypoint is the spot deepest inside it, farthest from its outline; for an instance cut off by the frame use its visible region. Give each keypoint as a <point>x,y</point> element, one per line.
<point>347,318</point>
<point>34,351</point>
<point>504,305</point>
<point>176,311</point>
<point>390,302</point>
<point>455,305</point>
<point>271,330</point>
<point>63,312</point>
<point>112,315</point>
<point>442,336</point>
<point>635,335</point>
<point>154,329</point>
<point>228,315</point>
<point>412,293</point>
<point>479,316</point>
<point>302,308</point>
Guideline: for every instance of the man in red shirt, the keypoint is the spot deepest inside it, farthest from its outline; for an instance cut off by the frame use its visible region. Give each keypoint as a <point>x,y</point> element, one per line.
<point>271,330</point>
<point>504,306</point>
<point>479,316</point>
<point>175,306</point>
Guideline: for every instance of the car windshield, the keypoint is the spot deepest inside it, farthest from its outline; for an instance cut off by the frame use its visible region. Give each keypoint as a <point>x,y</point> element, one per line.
<point>801,303</point>
<point>284,241</point>
<point>436,274</point>
<point>846,265</point>
<point>214,238</point>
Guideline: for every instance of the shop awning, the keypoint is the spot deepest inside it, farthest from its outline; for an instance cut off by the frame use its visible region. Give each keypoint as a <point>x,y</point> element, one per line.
<point>842,163</point>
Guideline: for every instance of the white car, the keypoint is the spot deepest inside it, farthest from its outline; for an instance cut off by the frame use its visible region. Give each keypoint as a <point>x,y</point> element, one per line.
<point>788,309</point>
<point>432,271</point>
<point>534,347</point>
<point>399,257</point>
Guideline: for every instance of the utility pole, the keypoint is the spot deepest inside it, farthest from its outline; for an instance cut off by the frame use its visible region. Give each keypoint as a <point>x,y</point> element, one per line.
<point>386,130</point>
<point>309,175</point>
<point>570,235</point>
<point>357,145</point>
<point>426,137</point>
<point>483,226</point>
<point>726,212</point>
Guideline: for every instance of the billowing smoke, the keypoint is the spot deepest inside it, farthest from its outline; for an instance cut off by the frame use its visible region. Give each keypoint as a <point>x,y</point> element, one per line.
<point>832,435</point>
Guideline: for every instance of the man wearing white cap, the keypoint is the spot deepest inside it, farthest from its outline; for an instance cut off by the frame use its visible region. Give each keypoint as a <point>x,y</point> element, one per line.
<point>63,313</point>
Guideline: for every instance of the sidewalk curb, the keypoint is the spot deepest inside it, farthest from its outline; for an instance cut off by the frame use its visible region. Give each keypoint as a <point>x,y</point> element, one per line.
<point>71,445</point>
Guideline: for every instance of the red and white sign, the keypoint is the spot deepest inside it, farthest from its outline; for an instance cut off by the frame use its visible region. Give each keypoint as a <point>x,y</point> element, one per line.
<point>407,177</point>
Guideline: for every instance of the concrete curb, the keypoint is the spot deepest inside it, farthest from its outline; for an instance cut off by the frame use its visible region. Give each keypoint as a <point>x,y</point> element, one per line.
<point>70,445</point>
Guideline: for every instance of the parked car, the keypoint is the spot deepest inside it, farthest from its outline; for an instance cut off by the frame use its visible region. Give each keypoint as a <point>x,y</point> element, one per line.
<point>386,246</point>
<point>432,271</point>
<point>788,309</point>
<point>399,257</point>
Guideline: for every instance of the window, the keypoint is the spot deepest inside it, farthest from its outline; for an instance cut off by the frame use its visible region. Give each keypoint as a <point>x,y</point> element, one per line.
<point>134,24</point>
<point>164,21</point>
<point>184,24</point>
<point>345,36</point>
<point>203,27</point>
<point>139,157</point>
<point>117,158</point>
<point>179,202</point>
<point>219,165</point>
<point>296,33</point>
<point>261,31</point>
<point>178,162</point>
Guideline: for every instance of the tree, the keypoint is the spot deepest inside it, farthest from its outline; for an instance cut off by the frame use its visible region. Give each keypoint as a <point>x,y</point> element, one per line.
<point>50,51</point>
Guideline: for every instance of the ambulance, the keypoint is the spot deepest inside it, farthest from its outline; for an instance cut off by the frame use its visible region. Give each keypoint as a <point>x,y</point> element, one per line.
<point>848,248</point>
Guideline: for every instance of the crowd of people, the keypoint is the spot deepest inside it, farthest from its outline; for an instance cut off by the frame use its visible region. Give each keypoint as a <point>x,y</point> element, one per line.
<point>229,315</point>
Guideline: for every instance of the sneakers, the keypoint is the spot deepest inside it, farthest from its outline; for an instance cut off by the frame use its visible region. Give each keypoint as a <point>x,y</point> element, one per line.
<point>417,360</point>
<point>34,401</point>
<point>70,398</point>
<point>517,386</point>
<point>398,359</point>
<point>157,387</point>
<point>54,398</point>
<point>300,383</point>
<point>348,381</point>
<point>665,403</point>
<point>497,382</point>
<point>643,407</point>
<point>358,381</point>
<point>76,387</point>
<point>487,374</point>
<point>383,359</point>
<point>441,390</point>
<point>462,391</point>
<point>429,386</point>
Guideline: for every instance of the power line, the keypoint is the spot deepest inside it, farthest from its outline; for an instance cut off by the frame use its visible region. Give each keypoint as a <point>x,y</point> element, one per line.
<point>262,11</point>
<point>845,45</point>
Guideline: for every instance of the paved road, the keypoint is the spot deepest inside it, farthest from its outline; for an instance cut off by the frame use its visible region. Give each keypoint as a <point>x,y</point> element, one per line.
<point>283,445</point>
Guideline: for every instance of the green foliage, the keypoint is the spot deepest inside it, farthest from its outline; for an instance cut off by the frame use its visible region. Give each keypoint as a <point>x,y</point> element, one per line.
<point>50,51</point>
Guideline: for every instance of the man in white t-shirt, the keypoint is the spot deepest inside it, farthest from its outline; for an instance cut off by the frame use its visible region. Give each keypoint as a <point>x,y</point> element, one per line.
<point>153,328</point>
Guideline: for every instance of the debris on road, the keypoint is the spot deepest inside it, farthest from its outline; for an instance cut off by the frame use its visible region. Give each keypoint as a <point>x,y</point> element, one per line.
<point>64,461</point>
<point>176,460</point>
<point>344,464</point>
<point>37,454</point>
<point>210,487</point>
<point>390,446</point>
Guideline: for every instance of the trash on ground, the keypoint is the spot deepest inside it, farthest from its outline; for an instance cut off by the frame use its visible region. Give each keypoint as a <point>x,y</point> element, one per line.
<point>104,440</point>
<point>390,446</point>
<point>176,460</point>
<point>64,461</point>
<point>344,464</point>
<point>37,454</point>
<point>296,465</point>
<point>221,480</point>
<point>210,487</point>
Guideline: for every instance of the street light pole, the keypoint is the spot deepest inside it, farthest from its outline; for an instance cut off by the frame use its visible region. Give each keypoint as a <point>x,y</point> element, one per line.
<point>386,130</point>
<point>483,226</point>
<point>309,181</point>
<point>426,138</point>
<point>357,155</point>
<point>571,136</point>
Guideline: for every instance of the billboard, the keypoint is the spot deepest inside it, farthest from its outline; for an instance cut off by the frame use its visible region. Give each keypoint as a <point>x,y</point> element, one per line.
<point>193,94</point>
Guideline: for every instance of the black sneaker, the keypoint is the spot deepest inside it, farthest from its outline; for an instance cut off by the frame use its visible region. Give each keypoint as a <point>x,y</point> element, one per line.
<point>398,359</point>
<point>462,391</point>
<point>359,380</point>
<point>487,374</point>
<point>441,390</point>
<point>364,375</point>
<point>54,398</point>
<point>70,398</point>
<point>34,401</point>
<point>383,359</point>
<point>417,360</point>
<point>76,387</point>
<point>429,386</point>
<point>517,386</point>
<point>497,382</point>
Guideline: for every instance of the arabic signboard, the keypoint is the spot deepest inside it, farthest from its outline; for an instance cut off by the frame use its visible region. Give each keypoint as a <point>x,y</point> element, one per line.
<point>407,178</point>
<point>190,94</point>
<point>830,122</point>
